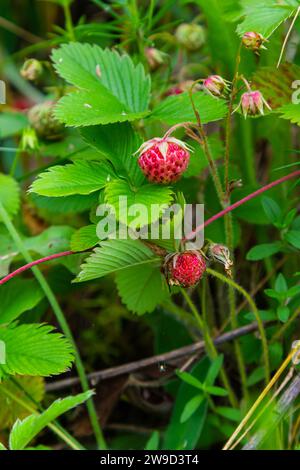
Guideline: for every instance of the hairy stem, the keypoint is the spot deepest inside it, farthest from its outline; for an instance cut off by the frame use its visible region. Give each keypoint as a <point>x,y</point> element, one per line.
<point>61,319</point>
<point>210,347</point>
<point>228,122</point>
<point>260,324</point>
<point>204,144</point>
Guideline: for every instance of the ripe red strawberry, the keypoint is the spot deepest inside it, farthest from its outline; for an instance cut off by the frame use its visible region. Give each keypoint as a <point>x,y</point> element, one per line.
<point>163,160</point>
<point>185,269</point>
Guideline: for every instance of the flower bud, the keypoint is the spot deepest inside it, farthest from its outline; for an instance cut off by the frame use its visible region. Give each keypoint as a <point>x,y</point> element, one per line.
<point>190,36</point>
<point>155,57</point>
<point>31,70</point>
<point>253,103</point>
<point>43,121</point>
<point>253,41</point>
<point>215,85</point>
<point>221,254</point>
<point>29,140</point>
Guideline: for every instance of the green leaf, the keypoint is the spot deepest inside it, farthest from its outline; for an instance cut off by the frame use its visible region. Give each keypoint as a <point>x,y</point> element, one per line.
<point>24,431</point>
<point>84,238</point>
<point>88,108</point>
<point>9,194</point>
<point>21,387</point>
<point>275,295</point>
<point>33,349</point>
<point>293,237</point>
<point>141,288</point>
<point>2,447</point>
<point>265,17</point>
<point>217,391</point>
<point>281,284</point>
<point>283,313</point>
<point>17,297</point>
<point>148,196</point>
<point>293,291</point>
<point>91,68</point>
<point>189,379</point>
<point>68,204</point>
<point>264,250</point>
<point>214,370</point>
<point>53,240</point>
<point>81,177</point>
<point>289,218</point>
<point>291,112</point>
<point>256,376</point>
<point>153,442</point>
<point>190,407</point>
<point>229,413</point>
<point>113,256</point>
<point>117,143</point>
<point>177,109</point>
<point>272,210</point>
<point>112,88</point>
<point>181,436</point>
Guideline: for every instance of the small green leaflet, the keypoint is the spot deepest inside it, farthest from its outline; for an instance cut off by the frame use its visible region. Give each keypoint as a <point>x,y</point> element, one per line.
<point>84,238</point>
<point>264,250</point>
<point>33,349</point>
<point>191,407</point>
<point>153,442</point>
<point>81,177</point>
<point>24,431</point>
<point>113,256</point>
<point>291,112</point>
<point>293,237</point>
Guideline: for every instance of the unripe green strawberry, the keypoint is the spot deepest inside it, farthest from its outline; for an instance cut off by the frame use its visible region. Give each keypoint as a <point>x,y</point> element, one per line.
<point>42,119</point>
<point>190,36</point>
<point>31,70</point>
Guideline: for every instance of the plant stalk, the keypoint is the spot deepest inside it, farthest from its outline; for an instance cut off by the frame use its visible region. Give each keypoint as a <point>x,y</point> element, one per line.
<point>62,321</point>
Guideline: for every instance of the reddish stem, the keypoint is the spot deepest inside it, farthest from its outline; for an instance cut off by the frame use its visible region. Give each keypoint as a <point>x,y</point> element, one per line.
<point>240,202</point>
<point>191,235</point>
<point>34,263</point>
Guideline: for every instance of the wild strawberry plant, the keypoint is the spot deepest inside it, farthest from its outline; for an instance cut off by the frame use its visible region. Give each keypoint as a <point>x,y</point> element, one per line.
<point>129,114</point>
